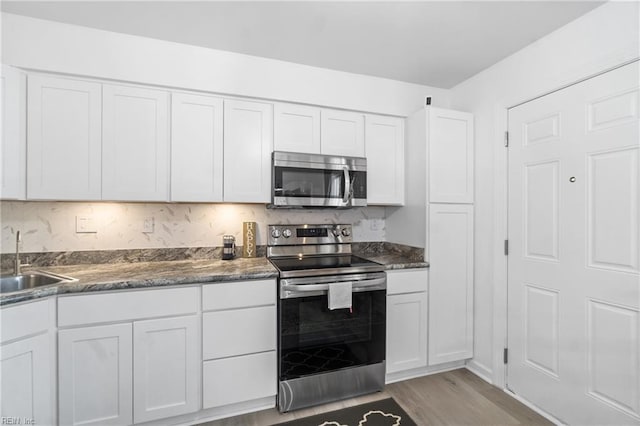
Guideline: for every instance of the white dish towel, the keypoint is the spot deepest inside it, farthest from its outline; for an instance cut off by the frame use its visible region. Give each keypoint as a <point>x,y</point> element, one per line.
<point>340,295</point>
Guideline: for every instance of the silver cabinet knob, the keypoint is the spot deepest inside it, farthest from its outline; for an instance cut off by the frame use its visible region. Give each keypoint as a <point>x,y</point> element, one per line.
<point>572,179</point>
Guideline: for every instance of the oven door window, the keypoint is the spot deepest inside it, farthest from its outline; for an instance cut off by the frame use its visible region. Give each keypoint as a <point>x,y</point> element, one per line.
<point>314,339</point>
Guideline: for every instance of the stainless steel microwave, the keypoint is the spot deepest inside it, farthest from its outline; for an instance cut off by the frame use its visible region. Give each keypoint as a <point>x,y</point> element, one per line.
<point>312,180</point>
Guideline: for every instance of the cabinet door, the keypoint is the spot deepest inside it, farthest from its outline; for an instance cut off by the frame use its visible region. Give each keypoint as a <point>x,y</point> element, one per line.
<point>450,283</point>
<point>406,331</point>
<point>95,375</point>
<point>166,365</point>
<point>384,137</point>
<point>296,128</point>
<point>342,133</point>
<point>450,156</point>
<point>13,145</point>
<point>25,375</point>
<point>135,151</point>
<point>63,146</point>
<point>239,379</point>
<point>248,142</point>
<point>196,148</point>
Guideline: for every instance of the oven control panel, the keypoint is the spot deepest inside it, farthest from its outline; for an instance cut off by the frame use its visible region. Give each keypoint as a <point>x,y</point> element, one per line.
<point>309,234</point>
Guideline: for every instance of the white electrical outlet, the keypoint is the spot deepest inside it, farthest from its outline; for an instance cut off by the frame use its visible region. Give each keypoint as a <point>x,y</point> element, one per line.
<point>148,225</point>
<point>86,225</point>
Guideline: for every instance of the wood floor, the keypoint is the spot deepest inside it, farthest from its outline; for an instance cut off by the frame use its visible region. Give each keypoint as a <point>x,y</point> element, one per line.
<point>456,397</point>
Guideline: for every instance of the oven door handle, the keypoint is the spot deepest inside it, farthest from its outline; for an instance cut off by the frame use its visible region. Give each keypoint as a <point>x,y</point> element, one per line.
<point>290,290</point>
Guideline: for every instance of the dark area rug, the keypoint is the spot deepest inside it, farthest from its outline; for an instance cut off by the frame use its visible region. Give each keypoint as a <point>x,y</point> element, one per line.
<point>385,412</point>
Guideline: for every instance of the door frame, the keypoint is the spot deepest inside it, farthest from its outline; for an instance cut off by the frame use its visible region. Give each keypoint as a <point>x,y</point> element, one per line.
<point>501,203</point>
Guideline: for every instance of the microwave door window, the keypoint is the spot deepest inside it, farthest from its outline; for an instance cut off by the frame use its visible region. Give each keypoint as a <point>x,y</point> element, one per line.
<point>309,183</point>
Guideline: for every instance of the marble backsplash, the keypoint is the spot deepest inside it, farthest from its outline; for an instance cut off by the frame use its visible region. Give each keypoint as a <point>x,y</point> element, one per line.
<point>51,226</point>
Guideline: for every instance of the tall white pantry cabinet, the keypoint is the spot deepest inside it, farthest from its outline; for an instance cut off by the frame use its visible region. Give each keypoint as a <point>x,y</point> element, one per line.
<point>449,232</point>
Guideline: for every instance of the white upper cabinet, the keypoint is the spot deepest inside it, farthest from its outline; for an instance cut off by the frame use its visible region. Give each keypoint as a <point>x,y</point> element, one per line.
<point>451,156</point>
<point>296,128</point>
<point>196,148</point>
<point>342,133</point>
<point>12,147</point>
<point>63,147</point>
<point>385,159</point>
<point>248,142</point>
<point>135,152</point>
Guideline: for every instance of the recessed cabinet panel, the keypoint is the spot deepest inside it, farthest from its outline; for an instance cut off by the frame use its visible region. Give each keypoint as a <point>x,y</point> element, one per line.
<point>135,151</point>
<point>450,282</point>
<point>296,128</point>
<point>13,146</point>
<point>248,143</point>
<point>166,367</point>
<point>451,156</point>
<point>26,374</point>
<point>95,375</point>
<point>342,133</point>
<point>406,331</point>
<point>196,148</point>
<point>384,138</point>
<point>64,140</point>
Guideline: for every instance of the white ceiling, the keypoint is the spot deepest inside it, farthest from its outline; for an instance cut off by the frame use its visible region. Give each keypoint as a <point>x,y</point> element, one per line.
<point>436,43</point>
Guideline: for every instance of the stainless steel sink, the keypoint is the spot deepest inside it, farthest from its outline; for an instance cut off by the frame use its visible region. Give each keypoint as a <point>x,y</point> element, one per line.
<point>11,283</point>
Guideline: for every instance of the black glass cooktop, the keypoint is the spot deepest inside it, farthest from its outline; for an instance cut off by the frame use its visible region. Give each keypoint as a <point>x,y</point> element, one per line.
<point>315,265</point>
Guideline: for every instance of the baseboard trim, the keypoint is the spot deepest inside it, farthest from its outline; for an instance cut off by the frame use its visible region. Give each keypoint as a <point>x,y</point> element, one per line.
<point>422,371</point>
<point>535,408</point>
<point>480,370</point>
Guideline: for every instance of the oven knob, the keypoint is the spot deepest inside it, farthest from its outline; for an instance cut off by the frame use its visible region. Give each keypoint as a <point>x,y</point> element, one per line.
<point>275,233</point>
<point>346,232</point>
<point>336,232</point>
<point>286,233</point>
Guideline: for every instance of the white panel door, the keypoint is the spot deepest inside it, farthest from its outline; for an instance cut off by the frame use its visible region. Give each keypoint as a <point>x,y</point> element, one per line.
<point>64,141</point>
<point>574,288</point>
<point>248,142</point>
<point>135,149</point>
<point>25,377</point>
<point>95,375</point>
<point>342,133</point>
<point>384,140</point>
<point>450,156</point>
<point>296,128</point>
<point>166,366</point>
<point>13,90</point>
<point>450,282</point>
<point>196,148</point>
<point>406,331</point>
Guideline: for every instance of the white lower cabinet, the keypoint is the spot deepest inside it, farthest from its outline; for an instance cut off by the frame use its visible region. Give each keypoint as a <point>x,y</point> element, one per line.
<point>406,320</point>
<point>239,342</point>
<point>95,375</point>
<point>134,371</point>
<point>166,367</point>
<point>27,379</point>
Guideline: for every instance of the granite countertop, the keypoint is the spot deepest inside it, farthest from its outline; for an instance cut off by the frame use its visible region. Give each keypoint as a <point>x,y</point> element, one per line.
<point>119,276</point>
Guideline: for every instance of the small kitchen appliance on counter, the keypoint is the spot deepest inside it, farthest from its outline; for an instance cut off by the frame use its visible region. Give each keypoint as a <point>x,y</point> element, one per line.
<point>228,247</point>
<point>331,316</point>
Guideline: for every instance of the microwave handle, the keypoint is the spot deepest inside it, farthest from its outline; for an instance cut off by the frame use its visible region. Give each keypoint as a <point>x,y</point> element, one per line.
<point>347,186</point>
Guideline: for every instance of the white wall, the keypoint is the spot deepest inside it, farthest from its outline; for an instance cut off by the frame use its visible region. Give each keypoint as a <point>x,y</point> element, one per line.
<point>52,46</point>
<point>604,38</point>
<point>51,226</point>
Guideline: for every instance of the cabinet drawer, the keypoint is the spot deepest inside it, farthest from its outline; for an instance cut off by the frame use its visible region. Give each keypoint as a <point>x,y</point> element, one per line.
<point>238,294</point>
<point>238,332</point>
<point>407,281</point>
<point>24,320</point>
<point>126,306</point>
<point>238,379</point>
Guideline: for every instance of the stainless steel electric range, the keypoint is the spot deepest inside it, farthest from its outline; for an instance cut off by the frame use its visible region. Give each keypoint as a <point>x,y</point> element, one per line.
<point>326,353</point>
